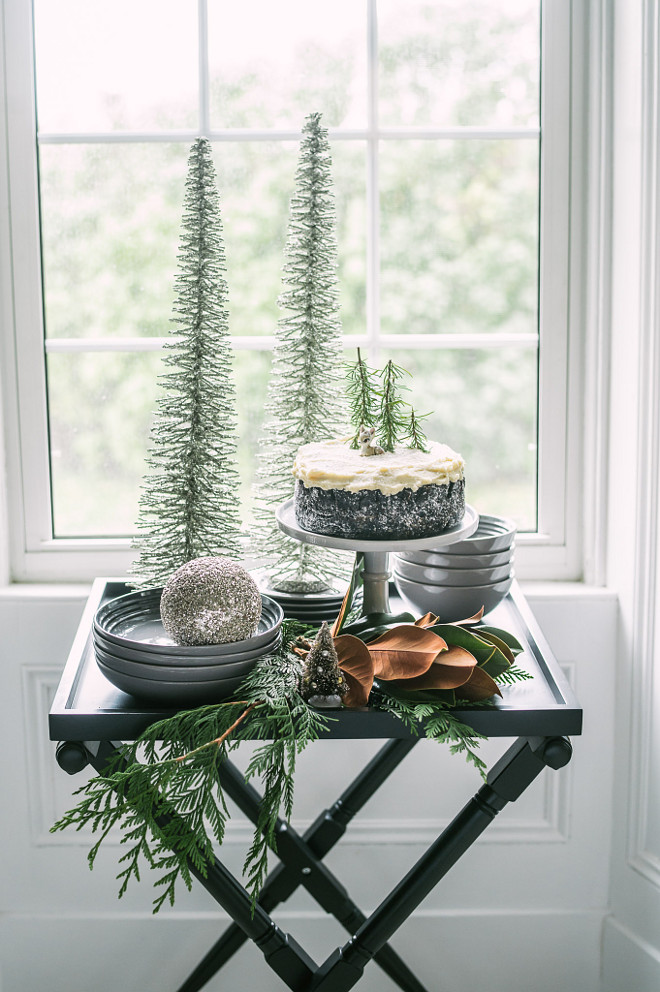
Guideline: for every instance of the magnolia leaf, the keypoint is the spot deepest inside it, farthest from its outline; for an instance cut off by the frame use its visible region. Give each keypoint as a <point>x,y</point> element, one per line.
<point>501,645</point>
<point>504,635</point>
<point>349,596</point>
<point>488,655</point>
<point>475,619</point>
<point>357,665</point>
<point>428,620</point>
<point>405,652</point>
<point>366,625</point>
<point>468,639</point>
<point>453,668</point>
<point>480,686</point>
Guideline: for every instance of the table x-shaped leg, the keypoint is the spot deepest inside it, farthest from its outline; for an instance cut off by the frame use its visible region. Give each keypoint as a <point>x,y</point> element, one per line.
<point>301,865</point>
<point>507,780</point>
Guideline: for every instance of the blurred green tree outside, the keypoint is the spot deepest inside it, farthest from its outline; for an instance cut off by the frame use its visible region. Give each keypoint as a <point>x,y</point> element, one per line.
<point>459,233</point>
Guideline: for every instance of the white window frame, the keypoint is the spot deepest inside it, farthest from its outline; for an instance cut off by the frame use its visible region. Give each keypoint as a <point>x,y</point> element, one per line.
<point>554,552</point>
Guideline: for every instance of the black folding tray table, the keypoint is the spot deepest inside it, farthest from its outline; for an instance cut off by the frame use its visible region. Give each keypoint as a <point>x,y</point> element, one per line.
<point>89,718</point>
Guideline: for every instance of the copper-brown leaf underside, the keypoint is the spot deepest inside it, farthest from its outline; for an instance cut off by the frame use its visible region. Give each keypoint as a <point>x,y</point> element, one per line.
<point>405,652</point>
<point>428,620</point>
<point>475,619</point>
<point>357,665</point>
<point>452,669</point>
<point>342,611</point>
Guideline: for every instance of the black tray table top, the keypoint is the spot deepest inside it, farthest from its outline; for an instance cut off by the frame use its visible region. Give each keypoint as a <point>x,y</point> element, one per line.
<point>88,707</point>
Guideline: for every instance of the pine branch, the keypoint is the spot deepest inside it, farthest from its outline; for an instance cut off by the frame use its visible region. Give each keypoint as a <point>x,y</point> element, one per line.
<point>363,395</point>
<point>392,407</point>
<point>414,434</point>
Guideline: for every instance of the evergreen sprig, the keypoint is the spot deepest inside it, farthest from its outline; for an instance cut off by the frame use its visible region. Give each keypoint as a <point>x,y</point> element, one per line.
<point>414,435</point>
<point>435,720</point>
<point>375,401</point>
<point>363,392</point>
<point>163,791</point>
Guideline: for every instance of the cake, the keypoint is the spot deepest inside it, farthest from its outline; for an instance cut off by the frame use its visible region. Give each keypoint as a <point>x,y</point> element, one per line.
<point>408,493</point>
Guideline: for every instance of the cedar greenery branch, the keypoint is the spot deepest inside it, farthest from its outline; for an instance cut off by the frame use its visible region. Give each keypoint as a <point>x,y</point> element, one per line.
<point>189,505</point>
<point>164,791</point>
<point>306,397</point>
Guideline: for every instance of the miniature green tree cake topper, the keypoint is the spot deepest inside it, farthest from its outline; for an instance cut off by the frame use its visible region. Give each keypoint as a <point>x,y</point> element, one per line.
<point>305,399</point>
<point>378,410</point>
<point>190,505</point>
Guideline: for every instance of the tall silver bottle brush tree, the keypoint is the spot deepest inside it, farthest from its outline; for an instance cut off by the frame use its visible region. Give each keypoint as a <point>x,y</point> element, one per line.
<point>305,400</point>
<point>189,505</point>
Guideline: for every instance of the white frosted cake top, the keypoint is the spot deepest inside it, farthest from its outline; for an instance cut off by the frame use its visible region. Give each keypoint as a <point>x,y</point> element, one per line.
<point>334,465</point>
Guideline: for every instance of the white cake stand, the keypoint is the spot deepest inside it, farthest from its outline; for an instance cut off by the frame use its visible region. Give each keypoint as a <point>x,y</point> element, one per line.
<point>376,574</point>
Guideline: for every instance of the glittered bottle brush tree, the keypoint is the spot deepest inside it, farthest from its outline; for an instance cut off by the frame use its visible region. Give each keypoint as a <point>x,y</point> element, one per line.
<point>189,505</point>
<point>305,400</point>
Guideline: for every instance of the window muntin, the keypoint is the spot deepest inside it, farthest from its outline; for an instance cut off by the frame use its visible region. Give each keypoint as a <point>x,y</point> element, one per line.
<point>365,231</point>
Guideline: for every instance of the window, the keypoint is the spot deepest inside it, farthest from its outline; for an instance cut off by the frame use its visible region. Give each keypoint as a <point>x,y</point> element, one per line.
<point>449,125</point>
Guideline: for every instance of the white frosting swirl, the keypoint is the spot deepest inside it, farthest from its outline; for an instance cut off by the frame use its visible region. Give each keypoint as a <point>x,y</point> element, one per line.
<point>334,465</point>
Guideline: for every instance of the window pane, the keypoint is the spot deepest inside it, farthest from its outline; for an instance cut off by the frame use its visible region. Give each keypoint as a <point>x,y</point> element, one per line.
<point>482,403</point>
<point>110,227</point>
<point>272,64</point>
<point>459,62</point>
<point>101,408</point>
<point>100,411</point>
<point>116,66</point>
<point>257,181</point>
<point>459,223</point>
<point>111,222</point>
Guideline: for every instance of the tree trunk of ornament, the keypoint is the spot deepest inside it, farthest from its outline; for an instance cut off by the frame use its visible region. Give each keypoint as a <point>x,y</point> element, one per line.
<point>189,506</point>
<point>306,398</point>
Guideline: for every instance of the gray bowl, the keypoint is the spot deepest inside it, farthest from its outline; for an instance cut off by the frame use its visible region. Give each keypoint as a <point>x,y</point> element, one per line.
<point>166,673</point>
<point>444,559</point>
<point>184,661</point>
<point>172,693</point>
<point>492,534</point>
<point>450,602</point>
<point>451,576</point>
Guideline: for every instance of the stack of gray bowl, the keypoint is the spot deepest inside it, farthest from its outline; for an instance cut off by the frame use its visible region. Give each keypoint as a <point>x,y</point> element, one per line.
<point>455,581</point>
<point>135,653</point>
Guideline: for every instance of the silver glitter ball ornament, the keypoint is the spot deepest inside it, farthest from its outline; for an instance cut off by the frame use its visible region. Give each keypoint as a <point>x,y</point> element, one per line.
<point>210,601</point>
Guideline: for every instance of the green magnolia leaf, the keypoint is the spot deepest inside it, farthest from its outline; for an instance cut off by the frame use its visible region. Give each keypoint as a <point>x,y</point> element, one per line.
<point>503,635</point>
<point>374,624</point>
<point>500,645</point>
<point>488,655</point>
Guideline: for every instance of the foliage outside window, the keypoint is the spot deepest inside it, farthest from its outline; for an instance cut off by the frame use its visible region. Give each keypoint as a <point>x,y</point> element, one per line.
<point>435,127</point>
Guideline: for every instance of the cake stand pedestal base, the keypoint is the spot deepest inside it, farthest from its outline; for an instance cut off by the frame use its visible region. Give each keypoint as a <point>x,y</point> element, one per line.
<point>376,554</point>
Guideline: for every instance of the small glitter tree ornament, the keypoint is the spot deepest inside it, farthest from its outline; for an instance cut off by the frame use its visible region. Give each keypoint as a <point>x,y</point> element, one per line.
<point>323,683</point>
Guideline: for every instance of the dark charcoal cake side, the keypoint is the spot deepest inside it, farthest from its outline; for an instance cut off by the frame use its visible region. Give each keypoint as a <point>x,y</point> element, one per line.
<point>371,515</point>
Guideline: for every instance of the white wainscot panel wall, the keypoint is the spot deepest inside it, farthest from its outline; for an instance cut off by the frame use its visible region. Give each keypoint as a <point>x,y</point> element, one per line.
<point>528,899</point>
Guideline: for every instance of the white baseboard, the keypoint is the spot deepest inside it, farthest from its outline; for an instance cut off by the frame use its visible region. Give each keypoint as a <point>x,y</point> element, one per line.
<point>629,961</point>
<point>501,952</point>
